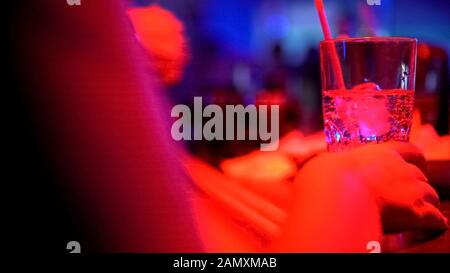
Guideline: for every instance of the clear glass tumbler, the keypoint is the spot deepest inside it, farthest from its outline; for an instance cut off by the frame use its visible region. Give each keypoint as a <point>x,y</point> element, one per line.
<point>367,90</point>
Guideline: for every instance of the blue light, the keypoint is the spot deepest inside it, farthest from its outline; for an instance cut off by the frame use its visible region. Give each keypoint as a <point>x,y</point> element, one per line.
<point>337,136</point>
<point>371,138</point>
<point>344,49</point>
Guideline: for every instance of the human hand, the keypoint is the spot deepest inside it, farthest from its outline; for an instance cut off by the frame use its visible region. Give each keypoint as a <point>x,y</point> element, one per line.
<point>341,199</point>
<point>394,173</point>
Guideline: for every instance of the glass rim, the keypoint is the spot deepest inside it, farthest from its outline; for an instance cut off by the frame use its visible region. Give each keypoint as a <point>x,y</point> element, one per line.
<point>370,39</point>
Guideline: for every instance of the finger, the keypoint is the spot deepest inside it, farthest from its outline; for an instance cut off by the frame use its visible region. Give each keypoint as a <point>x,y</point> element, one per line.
<point>425,190</point>
<point>430,217</point>
<point>415,172</point>
<point>409,152</point>
<point>428,193</point>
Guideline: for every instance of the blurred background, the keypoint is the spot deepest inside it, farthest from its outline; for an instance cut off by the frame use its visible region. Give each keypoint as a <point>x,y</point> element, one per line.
<point>263,50</point>
<point>236,52</point>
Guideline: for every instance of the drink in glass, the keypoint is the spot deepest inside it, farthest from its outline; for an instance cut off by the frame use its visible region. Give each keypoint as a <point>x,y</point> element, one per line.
<point>367,90</point>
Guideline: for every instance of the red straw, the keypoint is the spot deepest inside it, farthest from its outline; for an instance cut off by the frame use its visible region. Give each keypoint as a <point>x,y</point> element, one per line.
<point>327,36</point>
<point>323,20</point>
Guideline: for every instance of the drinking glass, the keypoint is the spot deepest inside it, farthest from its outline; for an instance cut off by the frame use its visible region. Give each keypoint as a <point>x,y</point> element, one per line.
<point>367,90</point>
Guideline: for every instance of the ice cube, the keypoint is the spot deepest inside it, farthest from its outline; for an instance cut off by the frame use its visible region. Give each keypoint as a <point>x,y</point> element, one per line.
<point>365,109</point>
<point>373,116</point>
<point>367,86</point>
